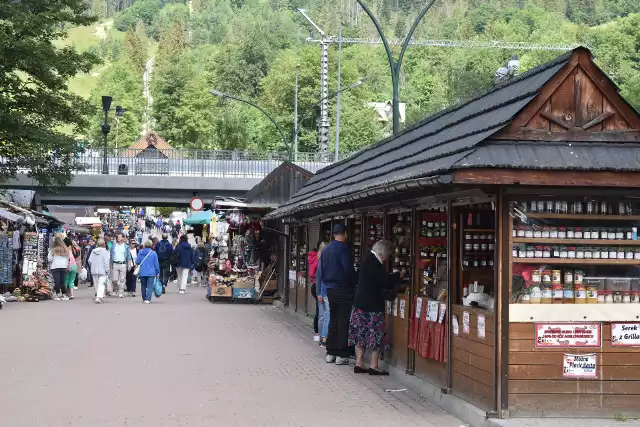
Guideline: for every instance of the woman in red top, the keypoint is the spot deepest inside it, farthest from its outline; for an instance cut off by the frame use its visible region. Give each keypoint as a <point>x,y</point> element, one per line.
<point>312,267</point>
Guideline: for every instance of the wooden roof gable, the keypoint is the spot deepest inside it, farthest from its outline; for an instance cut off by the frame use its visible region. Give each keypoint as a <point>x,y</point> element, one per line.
<point>580,103</point>
<point>152,139</point>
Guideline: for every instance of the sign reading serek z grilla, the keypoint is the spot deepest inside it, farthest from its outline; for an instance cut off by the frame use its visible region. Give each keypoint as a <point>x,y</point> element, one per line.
<point>625,335</point>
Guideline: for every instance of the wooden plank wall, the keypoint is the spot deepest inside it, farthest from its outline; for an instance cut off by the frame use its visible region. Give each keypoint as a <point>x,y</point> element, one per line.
<point>473,360</point>
<point>398,331</point>
<point>431,371</point>
<point>537,387</point>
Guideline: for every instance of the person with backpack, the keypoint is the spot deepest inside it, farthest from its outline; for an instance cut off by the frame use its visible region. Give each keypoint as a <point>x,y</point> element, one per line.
<point>72,270</point>
<point>147,259</point>
<point>164,249</point>
<point>200,264</point>
<point>185,255</point>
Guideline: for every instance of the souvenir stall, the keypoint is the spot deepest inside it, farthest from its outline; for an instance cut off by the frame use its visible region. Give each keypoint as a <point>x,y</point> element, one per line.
<point>234,265</point>
<point>516,215</point>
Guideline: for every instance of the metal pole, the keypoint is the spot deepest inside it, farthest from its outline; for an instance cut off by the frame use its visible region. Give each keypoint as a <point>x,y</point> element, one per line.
<point>295,117</point>
<point>393,64</point>
<point>337,145</point>
<point>323,134</point>
<point>105,132</point>
<point>117,126</point>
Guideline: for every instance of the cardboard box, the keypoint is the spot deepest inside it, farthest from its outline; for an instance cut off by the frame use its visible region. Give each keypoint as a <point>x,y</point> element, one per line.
<point>221,291</point>
<point>244,293</point>
<point>244,284</point>
<point>272,285</point>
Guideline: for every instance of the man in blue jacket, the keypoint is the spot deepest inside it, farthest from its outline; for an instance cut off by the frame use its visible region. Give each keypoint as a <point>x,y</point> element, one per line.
<point>164,249</point>
<point>337,274</point>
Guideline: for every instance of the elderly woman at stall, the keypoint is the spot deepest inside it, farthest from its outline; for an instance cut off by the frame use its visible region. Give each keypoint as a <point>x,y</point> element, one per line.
<point>367,329</point>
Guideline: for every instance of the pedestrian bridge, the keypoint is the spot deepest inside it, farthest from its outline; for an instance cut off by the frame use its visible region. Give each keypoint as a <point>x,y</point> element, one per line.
<point>167,177</point>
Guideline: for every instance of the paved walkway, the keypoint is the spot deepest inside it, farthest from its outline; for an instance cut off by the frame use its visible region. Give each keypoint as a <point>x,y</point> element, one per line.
<point>183,361</point>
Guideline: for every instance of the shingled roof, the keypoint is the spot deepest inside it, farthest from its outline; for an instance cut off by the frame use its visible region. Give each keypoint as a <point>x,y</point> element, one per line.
<point>152,139</point>
<point>428,148</point>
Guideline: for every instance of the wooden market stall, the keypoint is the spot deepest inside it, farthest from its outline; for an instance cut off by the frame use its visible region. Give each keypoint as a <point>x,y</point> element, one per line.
<point>515,215</point>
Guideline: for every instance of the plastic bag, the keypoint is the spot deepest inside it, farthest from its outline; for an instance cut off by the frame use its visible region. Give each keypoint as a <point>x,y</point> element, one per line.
<point>83,275</point>
<point>157,288</point>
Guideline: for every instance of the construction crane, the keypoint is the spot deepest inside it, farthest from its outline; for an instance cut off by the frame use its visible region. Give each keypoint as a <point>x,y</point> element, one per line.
<point>465,44</point>
<point>325,40</point>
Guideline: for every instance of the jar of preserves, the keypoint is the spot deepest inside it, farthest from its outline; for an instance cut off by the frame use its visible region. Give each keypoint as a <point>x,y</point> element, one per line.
<point>564,252</point>
<point>578,233</point>
<point>483,262</point>
<point>475,263</point>
<point>571,233</point>
<point>546,277</point>
<point>538,252</point>
<point>557,293</point>
<point>491,246</point>
<point>604,208</point>
<point>534,207</point>
<point>520,231</point>
<point>578,277</point>
<point>596,254</point>
<point>541,206</point>
<point>617,297</point>
<point>555,252</point>
<point>536,277</point>
<point>490,236</point>
<point>545,232</point>
<point>568,277</point>
<point>553,232</point>
<point>522,252</point>
<point>580,294</point>
<point>530,252</point>
<point>549,206</point>
<point>590,208</point>
<point>528,232</point>
<point>636,253</point>
<point>484,247</point>
<point>592,295</point>
<point>468,247</point>
<point>628,253</point>
<point>546,296</point>
<point>588,253</point>
<point>556,276</point>
<point>571,252</point>
<point>613,253</point>
<point>546,252</point>
<point>608,297</point>
<point>562,233</point>
<point>577,208</point>
<point>620,234</point>
<point>535,294</point>
<point>526,297</point>
<point>611,234</point>
<point>490,263</point>
<point>476,247</point>
<point>587,233</point>
<point>568,294</point>
<point>626,298</point>
<point>537,232</point>
<point>629,235</point>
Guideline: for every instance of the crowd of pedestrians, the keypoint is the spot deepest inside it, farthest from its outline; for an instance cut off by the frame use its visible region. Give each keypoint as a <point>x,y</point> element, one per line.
<point>114,264</point>
<point>350,305</point>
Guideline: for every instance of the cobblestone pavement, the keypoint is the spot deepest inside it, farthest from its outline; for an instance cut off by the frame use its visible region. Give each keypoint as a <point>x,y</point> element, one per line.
<point>182,361</point>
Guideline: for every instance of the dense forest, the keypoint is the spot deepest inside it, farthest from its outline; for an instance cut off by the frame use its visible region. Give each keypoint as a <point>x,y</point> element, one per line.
<point>251,49</point>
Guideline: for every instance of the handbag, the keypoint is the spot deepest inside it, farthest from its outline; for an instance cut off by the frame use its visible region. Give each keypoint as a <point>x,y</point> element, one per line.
<point>157,288</point>
<point>136,271</point>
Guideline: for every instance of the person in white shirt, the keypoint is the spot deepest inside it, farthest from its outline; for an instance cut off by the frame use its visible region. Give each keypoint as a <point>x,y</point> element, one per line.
<point>120,261</point>
<point>59,264</point>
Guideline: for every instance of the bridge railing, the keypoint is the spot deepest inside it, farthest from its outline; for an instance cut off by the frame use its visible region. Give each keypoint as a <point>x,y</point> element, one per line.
<point>208,163</point>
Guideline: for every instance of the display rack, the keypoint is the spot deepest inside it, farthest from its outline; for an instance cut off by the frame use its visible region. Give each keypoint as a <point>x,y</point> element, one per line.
<point>401,231</point>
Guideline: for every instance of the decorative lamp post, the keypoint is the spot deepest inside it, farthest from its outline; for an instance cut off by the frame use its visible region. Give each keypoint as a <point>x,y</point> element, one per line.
<point>106,106</point>
<point>119,113</point>
<point>393,64</point>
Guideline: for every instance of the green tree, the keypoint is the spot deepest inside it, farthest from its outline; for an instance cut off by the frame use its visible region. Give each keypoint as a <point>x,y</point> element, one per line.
<point>34,101</point>
<point>135,49</point>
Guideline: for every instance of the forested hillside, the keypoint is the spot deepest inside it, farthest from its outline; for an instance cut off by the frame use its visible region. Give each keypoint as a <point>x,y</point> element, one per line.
<point>250,48</point>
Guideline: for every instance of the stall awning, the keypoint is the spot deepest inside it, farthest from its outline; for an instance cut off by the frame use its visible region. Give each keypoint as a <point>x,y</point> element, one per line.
<point>88,220</point>
<point>9,215</point>
<point>199,218</point>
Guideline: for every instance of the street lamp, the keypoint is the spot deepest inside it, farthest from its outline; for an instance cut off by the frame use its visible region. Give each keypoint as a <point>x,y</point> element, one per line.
<point>106,106</point>
<point>393,64</point>
<point>284,138</point>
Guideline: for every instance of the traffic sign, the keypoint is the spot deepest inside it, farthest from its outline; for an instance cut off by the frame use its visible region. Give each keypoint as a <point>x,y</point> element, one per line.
<point>197,204</point>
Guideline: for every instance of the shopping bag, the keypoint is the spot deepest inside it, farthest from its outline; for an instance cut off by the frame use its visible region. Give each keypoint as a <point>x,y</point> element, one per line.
<point>109,284</point>
<point>157,288</point>
<point>83,275</point>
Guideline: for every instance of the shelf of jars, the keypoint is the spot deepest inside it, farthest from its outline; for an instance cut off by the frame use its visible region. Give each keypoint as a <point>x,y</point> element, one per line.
<point>401,237</point>
<point>374,230</point>
<point>357,240</point>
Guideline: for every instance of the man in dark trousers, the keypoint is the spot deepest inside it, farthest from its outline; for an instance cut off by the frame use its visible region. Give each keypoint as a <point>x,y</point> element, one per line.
<point>340,278</point>
<point>164,249</point>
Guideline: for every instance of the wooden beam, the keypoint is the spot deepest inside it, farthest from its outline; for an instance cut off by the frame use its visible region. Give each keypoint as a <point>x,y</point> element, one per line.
<point>528,134</point>
<point>547,178</point>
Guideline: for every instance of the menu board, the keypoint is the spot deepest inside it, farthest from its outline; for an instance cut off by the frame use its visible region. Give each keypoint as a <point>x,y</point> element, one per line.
<point>6,257</point>
<point>625,335</point>
<point>579,366</point>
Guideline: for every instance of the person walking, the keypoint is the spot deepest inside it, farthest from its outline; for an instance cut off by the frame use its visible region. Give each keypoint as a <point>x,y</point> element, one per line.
<point>312,268</point>
<point>200,264</point>
<point>58,264</point>
<point>131,278</point>
<point>367,328</point>
<point>99,261</point>
<point>139,236</point>
<point>339,277</point>
<point>89,248</point>
<point>120,261</point>
<point>77,254</point>
<point>147,259</point>
<point>164,249</point>
<point>323,302</point>
<point>72,270</point>
<point>185,262</point>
